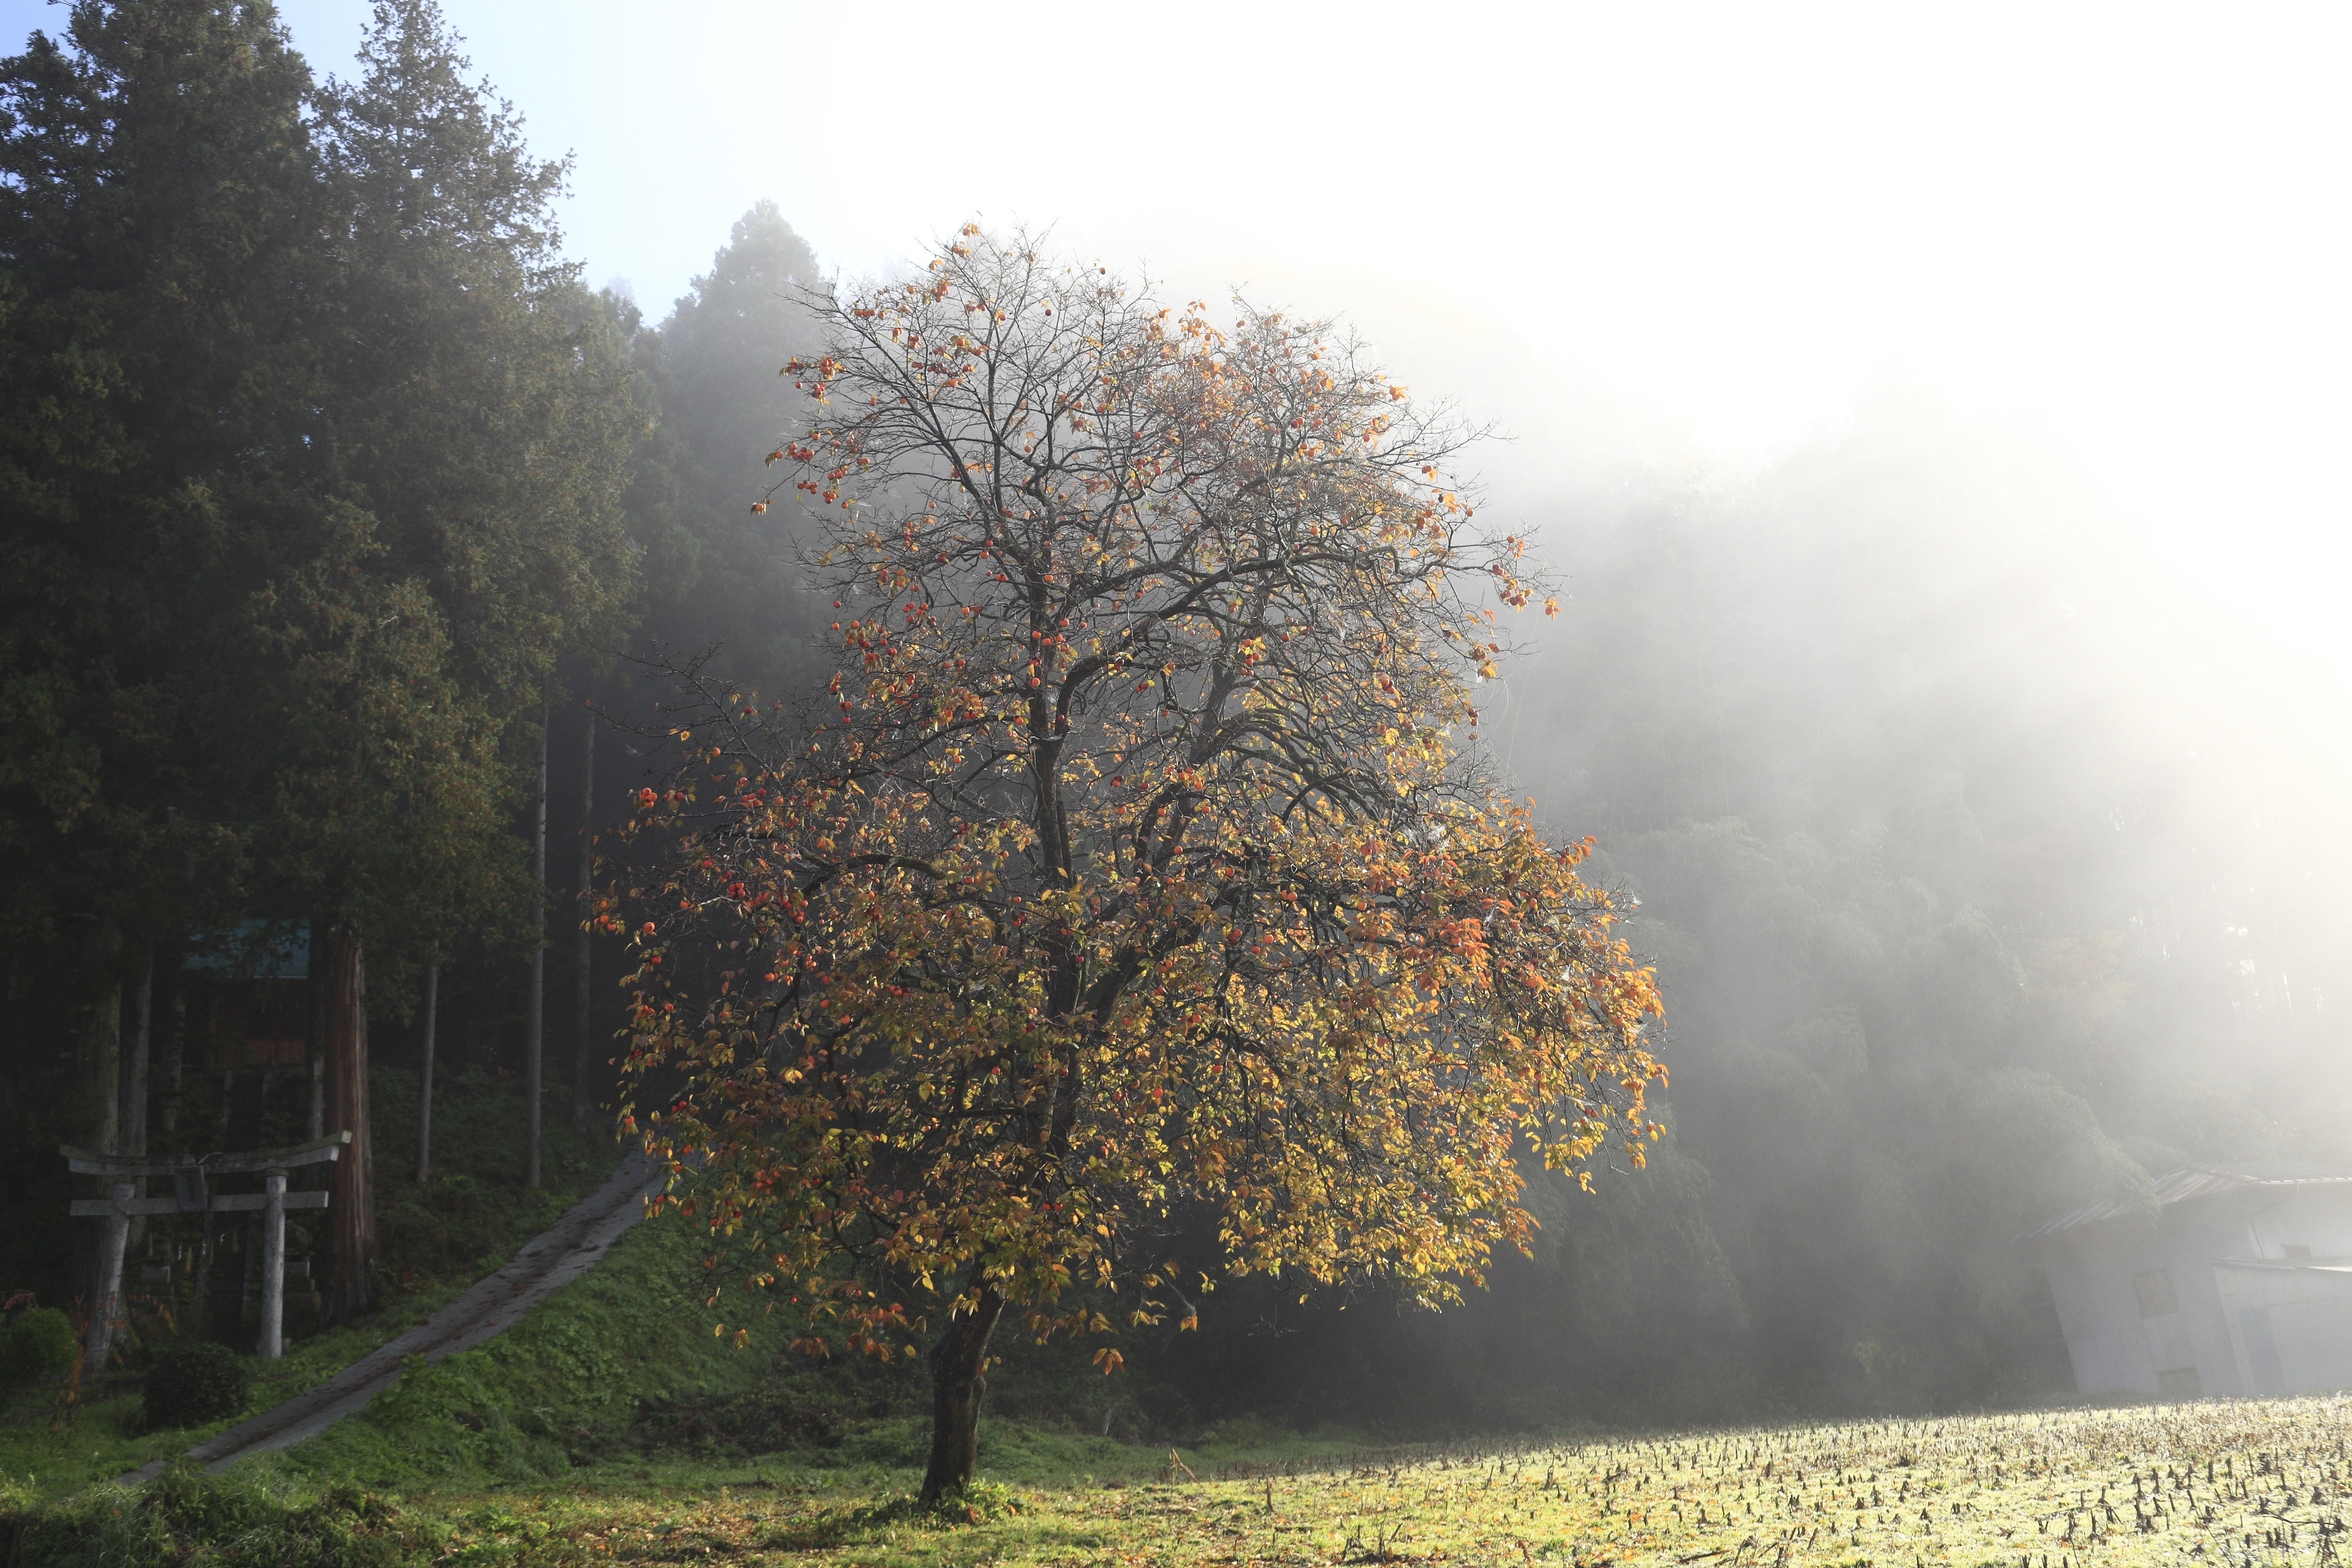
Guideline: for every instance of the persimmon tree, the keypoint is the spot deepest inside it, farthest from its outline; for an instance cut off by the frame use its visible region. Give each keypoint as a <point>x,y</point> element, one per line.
<point>1137,855</point>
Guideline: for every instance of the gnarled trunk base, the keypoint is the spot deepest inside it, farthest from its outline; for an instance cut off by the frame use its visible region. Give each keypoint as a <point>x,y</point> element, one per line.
<point>957,1384</point>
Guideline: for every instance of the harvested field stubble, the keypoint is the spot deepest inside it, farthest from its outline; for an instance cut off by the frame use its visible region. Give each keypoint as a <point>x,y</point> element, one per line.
<point>2250,1484</point>
<point>2216,1481</point>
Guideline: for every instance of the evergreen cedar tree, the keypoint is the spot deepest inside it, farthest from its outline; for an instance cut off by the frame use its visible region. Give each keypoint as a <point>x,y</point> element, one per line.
<point>157,266</point>
<point>1133,858</point>
<point>284,601</point>
<point>449,575</point>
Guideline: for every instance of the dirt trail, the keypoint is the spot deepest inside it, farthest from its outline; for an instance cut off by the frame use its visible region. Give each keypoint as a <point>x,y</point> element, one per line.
<point>552,1258</point>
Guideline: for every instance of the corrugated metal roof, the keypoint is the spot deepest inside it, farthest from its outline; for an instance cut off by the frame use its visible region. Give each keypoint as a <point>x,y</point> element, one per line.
<point>2202,1181</point>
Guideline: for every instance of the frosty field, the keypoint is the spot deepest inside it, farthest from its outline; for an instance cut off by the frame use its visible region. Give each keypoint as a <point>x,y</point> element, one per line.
<point>2240,1482</point>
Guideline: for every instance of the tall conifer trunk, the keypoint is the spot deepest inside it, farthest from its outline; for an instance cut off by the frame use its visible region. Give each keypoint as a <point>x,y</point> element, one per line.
<point>137,1044</point>
<point>342,973</point>
<point>424,1076</point>
<point>97,1061</point>
<point>583,1103</point>
<point>138,1041</point>
<point>97,1080</point>
<point>171,1069</point>
<point>314,1121</point>
<point>534,1028</point>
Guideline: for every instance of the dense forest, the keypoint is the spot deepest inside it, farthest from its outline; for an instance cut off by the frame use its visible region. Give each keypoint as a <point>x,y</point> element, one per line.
<point>350,536</point>
<point>334,500</point>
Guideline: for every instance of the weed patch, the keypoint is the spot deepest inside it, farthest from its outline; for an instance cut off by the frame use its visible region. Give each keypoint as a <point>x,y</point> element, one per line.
<point>186,1517</point>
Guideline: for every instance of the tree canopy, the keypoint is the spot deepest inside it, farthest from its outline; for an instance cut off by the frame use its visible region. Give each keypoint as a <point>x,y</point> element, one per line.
<point>1133,858</point>
<point>719,576</point>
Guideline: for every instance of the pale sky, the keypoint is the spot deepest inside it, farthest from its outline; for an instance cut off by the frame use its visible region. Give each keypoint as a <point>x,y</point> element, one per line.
<point>2129,223</point>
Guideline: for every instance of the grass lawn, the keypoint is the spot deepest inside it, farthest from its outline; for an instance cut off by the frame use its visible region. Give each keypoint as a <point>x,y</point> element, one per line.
<point>2215,1482</point>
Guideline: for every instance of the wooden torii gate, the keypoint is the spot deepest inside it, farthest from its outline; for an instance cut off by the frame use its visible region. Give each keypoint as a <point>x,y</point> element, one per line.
<point>189,1197</point>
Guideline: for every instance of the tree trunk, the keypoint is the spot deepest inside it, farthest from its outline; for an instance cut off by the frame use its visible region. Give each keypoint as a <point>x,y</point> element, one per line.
<point>98,1084</point>
<point>315,1124</point>
<point>137,1041</point>
<point>535,1027</point>
<point>425,1077</point>
<point>583,1103</point>
<point>341,970</point>
<point>98,1062</point>
<point>957,1380</point>
<point>135,1053</point>
<point>175,1039</point>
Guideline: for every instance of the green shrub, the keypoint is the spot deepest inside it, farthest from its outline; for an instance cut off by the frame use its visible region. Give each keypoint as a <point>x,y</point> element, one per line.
<point>186,1518</point>
<point>37,1346</point>
<point>194,1384</point>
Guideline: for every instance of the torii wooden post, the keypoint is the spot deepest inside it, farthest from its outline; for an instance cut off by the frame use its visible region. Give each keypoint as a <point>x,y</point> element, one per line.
<point>189,1197</point>
<point>110,1273</point>
<point>271,1343</point>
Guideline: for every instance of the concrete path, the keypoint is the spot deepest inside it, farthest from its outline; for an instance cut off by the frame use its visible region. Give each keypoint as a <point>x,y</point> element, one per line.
<point>553,1258</point>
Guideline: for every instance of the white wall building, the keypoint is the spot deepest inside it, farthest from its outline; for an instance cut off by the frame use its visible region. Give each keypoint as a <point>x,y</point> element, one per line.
<point>2241,1283</point>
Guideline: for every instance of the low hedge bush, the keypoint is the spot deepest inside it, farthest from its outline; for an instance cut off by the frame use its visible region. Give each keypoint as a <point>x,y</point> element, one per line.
<point>194,1384</point>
